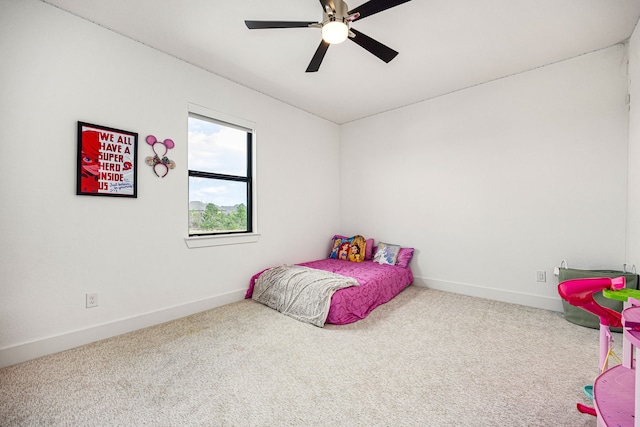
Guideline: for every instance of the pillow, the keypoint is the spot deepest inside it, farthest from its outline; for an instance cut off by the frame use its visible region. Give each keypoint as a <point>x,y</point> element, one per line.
<point>358,249</point>
<point>338,240</point>
<point>404,257</point>
<point>368,250</point>
<point>386,254</point>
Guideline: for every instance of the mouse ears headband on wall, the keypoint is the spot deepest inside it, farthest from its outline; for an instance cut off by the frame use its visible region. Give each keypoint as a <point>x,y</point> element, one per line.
<point>159,161</point>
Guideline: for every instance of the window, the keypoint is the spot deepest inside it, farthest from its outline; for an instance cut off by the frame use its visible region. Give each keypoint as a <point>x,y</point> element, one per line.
<point>220,166</point>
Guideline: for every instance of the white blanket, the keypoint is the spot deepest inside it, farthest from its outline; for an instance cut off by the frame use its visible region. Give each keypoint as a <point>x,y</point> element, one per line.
<point>302,293</point>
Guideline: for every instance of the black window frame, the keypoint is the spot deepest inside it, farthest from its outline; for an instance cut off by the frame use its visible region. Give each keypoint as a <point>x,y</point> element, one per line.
<point>248,180</point>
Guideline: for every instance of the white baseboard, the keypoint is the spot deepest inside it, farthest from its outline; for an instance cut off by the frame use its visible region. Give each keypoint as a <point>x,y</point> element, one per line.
<point>42,347</point>
<point>530,300</point>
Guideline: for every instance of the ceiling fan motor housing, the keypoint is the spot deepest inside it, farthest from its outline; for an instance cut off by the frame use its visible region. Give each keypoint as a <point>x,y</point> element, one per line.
<point>340,14</point>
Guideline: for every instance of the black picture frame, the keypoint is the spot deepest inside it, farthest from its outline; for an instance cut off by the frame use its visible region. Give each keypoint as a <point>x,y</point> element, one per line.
<point>107,163</point>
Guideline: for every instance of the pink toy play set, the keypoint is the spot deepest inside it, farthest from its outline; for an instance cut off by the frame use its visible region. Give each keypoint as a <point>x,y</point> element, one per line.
<point>614,392</point>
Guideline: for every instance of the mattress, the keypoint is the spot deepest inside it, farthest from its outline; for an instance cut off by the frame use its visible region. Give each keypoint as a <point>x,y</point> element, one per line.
<point>378,285</point>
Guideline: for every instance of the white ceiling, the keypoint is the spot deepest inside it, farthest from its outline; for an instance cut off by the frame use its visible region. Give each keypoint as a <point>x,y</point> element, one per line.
<point>444,45</point>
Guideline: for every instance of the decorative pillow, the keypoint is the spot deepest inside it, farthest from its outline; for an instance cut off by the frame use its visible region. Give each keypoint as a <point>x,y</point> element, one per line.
<point>358,249</point>
<point>404,257</point>
<point>386,254</point>
<point>343,249</point>
<point>338,240</point>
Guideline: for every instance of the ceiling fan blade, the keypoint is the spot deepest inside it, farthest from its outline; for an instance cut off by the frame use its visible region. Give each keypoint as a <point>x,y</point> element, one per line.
<point>374,6</point>
<point>329,3</point>
<point>314,65</point>
<point>375,47</point>
<point>257,25</point>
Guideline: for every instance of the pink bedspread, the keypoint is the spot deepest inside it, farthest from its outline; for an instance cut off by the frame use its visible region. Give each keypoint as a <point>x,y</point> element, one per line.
<point>378,285</point>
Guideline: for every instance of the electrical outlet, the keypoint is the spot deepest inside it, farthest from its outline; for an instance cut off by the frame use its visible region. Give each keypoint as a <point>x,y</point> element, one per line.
<point>92,300</point>
<point>541,276</point>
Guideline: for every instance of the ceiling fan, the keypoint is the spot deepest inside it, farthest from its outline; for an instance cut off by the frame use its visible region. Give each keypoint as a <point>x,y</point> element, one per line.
<point>336,28</point>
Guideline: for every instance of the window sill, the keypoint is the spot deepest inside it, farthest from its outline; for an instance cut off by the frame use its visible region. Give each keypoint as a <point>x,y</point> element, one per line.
<point>207,241</point>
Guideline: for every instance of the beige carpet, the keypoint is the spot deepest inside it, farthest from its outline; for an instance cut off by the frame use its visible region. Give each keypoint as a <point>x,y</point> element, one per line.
<point>427,358</point>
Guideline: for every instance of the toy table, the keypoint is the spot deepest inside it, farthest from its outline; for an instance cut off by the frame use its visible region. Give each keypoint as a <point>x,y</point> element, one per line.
<point>614,391</point>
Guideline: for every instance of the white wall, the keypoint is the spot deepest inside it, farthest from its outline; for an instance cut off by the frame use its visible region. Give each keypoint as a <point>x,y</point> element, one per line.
<point>495,182</point>
<point>56,246</point>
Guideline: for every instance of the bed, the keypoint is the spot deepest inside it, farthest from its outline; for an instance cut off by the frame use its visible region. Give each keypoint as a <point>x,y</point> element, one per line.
<point>378,279</point>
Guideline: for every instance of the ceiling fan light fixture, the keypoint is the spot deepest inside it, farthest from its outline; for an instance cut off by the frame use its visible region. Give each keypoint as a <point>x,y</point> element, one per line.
<point>334,32</point>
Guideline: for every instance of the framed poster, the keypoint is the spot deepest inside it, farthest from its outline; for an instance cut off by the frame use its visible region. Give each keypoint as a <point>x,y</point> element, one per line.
<point>107,161</point>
